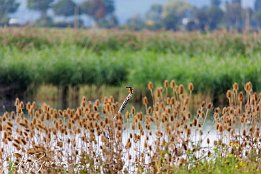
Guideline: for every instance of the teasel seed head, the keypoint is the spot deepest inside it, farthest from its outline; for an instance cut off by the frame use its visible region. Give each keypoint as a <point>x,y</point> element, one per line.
<point>150,86</point>
<point>248,87</point>
<point>166,84</point>
<point>209,153</point>
<point>220,128</point>
<point>195,122</point>
<point>209,106</point>
<point>244,132</point>
<point>172,84</point>
<point>188,131</point>
<point>235,87</point>
<point>158,92</point>
<point>228,94</point>
<point>84,99</point>
<point>220,142</point>
<point>190,87</point>
<point>28,105</point>
<point>17,101</point>
<point>208,141</point>
<point>181,89</point>
<point>133,110</point>
<point>149,111</point>
<point>145,101</point>
<point>95,108</point>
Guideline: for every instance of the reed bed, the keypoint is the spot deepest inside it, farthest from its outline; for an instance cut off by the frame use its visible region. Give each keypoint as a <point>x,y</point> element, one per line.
<point>218,43</point>
<point>166,138</point>
<point>31,57</point>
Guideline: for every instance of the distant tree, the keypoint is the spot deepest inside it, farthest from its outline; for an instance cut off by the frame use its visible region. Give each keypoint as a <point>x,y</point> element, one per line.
<point>98,10</point>
<point>174,12</point>
<point>257,5</point>
<point>247,15</point>
<point>215,3</point>
<point>236,2</point>
<point>154,17</point>
<point>42,6</point>
<point>202,17</point>
<point>155,12</point>
<point>110,21</point>
<point>215,14</point>
<point>67,8</point>
<point>234,14</point>
<point>64,8</point>
<point>7,7</point>
<point>210,17</point>
<point>257,18</point>
<point>135,23</point>
<point>170,20</point>
<point>182,8</point>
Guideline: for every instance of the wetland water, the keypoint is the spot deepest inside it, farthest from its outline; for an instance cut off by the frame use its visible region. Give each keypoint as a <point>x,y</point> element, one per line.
<point>135,150</point>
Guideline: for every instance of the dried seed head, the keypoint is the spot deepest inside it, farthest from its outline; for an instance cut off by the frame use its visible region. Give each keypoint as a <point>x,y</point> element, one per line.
<point>133,110</point>
<point>172,84</point>
<point>22,105</point>
<point>248,87</point>
<point>158,92</point>
<point>84,99</point>
<point>195,122</point>
<point>145,101</point>
<point>209,153</point>
<point>244,132</point>
<point>203,104</point>
<point>220,128</point>
<point>28,105</point>
<point>166,84</point>
<point>97,103</point>
<point>208,140</point>
<point>188,131</point>
<point>209,106</point>
<point>95,108</point>
<point>150,86</point>
<point>17,102</point>
<point>235,87</point>
<point>149,110</point>
<point>190,87</point>
<point>181,89</point>
<point>220,142</point>
<point>229,94</point>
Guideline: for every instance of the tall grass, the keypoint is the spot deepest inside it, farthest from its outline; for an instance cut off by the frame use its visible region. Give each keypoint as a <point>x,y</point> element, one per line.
<point>217,43</point>
<point>71,65</point>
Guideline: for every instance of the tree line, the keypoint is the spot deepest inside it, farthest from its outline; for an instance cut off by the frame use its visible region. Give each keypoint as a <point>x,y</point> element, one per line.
<point>181,15</point>
<point>173,15</point>
<point>101,12</point>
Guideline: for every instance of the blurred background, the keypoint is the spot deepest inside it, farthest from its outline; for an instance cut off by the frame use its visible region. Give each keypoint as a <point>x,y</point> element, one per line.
<point>146,14</point>
<point>56,51</point>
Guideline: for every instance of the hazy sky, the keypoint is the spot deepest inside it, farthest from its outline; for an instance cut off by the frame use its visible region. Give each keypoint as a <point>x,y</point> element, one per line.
<point>124,8</point>
<point>128,8</point>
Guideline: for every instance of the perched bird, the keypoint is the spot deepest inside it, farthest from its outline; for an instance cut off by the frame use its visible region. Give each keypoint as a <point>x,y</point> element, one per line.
<point>125,102</point>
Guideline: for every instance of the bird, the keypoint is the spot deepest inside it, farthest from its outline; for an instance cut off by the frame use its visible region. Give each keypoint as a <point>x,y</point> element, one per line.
<point>125,102</point>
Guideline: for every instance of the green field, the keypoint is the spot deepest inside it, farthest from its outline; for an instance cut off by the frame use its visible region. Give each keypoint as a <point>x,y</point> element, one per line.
<point>32,57</point>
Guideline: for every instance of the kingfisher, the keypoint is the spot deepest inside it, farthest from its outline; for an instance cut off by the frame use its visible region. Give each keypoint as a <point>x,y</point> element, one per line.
<point>125,102</point>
